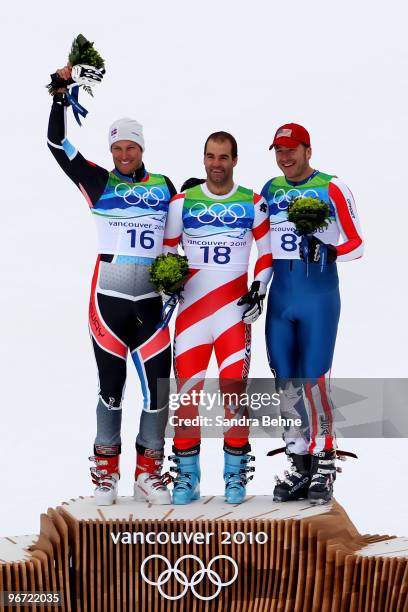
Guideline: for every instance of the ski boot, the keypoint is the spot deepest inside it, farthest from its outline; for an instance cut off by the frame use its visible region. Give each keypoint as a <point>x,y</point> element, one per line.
<point>105,475</point>
<point>323,475</point>
<point>150,485</point>
<point>187,479</point>
<point>297,480</point>
<point>235,476</point>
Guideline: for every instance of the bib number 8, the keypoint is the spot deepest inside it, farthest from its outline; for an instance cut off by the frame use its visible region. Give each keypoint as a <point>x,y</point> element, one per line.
<point>221,254</point>
<point>145,239</point>
<point>289,242</point>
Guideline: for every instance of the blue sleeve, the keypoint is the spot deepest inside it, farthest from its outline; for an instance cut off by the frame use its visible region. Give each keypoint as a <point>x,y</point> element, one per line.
<point>265,189</point>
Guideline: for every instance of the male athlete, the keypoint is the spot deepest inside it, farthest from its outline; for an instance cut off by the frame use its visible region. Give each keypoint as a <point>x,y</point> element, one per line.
<point>303,311</point>
<point>130,207</point>
<point>216,222</point>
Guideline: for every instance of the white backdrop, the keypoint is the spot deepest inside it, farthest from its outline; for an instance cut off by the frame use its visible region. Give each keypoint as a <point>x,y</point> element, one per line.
<point>184,70</point>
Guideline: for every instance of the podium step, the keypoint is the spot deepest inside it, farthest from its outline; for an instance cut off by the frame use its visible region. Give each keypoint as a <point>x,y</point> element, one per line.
<point>256,556</point>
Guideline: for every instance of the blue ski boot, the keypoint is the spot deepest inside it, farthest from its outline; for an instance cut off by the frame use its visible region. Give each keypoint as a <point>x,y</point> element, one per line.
<point>187,479</point>
<point>235,474</point>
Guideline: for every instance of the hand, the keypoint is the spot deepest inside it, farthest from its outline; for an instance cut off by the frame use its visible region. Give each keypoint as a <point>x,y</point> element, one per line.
<point>87,75</point>
<point>65,72</point>
<point>315,249</point>
<point>254,298</point>
<point>169,306</point>
<point>191,182</point>
<point>61,78</point>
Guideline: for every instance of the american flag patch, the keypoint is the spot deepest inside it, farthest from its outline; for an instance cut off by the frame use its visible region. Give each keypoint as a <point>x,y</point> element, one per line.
<point>285,132</point>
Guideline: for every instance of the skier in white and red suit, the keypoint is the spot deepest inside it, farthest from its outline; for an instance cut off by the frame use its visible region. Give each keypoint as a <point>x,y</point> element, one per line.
<point>216,221</point>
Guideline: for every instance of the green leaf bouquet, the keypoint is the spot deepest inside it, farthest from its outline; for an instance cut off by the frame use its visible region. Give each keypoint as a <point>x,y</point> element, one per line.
<point>168,273</point>
<point>308,214</point>
<point>82,52</point>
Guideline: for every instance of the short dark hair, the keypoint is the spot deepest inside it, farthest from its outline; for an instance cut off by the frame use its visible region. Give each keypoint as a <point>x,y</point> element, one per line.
<point>222,137</point>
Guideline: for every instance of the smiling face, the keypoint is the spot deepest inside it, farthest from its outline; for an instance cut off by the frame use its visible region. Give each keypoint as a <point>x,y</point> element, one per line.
<point>219,165</point>
<point>294,162</point>
<point>127,156</point>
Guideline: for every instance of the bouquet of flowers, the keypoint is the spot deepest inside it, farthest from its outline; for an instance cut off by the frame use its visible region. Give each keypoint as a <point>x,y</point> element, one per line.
<point>308,214</point>
<point>82,53</point>
<point>88,68</point>
<point>169,272</point>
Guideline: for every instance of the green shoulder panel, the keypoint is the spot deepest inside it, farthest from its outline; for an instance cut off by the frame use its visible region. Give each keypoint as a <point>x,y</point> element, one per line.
<point>241,194</point>
<point>320,180</point>
<point>194,193</point>
<point>279,181</point>
<point>156,179</point>
<point>248,193</point>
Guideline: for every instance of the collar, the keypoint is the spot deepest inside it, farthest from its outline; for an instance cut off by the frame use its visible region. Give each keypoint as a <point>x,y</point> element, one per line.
<point>224,196</point>
<point>137,176</point>
<point>306,180</point>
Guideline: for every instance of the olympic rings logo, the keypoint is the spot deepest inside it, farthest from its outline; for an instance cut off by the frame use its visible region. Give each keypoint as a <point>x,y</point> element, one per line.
<point>137,194</point>
<point>281,196</point>
<point>226,214</point>
<point>182,579</point>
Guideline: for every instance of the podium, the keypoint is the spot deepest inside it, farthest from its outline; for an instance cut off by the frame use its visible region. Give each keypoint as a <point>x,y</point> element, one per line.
<point>255,556</point>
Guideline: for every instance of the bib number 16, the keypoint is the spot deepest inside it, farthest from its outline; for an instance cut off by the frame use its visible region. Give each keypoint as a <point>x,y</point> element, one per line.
<point>220,254</point>
<point>145,238</point>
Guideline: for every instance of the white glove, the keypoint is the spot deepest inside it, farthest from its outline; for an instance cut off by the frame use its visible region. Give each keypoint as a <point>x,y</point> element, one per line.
<point>87,75</point>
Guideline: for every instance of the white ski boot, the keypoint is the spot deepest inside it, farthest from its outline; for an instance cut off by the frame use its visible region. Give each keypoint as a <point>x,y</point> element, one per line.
<point>150,485</point>
<point>105,475</point>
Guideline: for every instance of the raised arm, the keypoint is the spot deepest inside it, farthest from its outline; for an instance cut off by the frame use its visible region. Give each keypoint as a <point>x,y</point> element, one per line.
<point>87,176</point>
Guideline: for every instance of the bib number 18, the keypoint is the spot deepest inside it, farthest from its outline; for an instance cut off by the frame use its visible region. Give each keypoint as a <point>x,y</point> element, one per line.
<point>221,255</point>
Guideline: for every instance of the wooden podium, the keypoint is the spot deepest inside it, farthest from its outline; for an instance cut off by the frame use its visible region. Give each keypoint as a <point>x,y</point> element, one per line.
<point>256,556</point>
